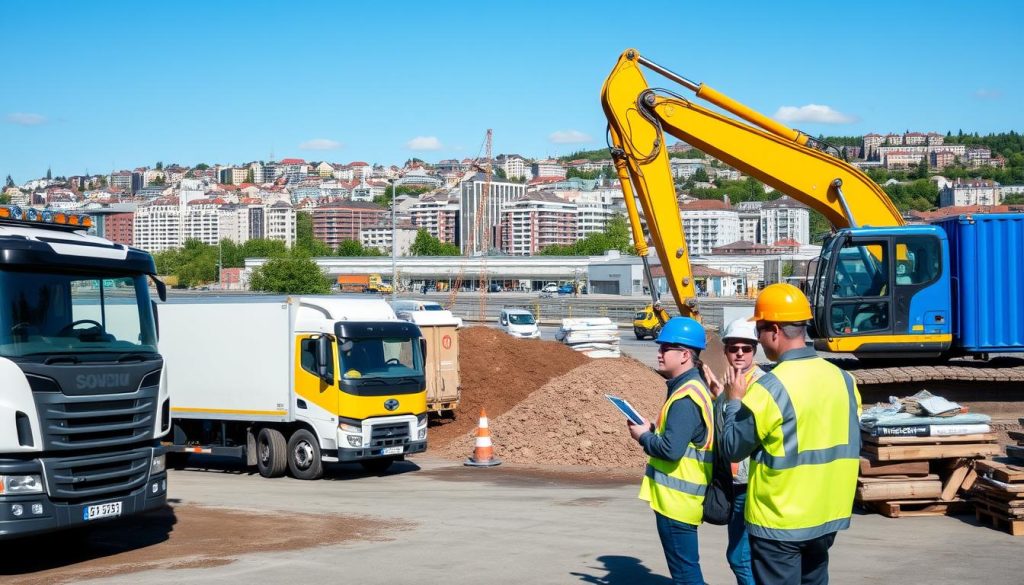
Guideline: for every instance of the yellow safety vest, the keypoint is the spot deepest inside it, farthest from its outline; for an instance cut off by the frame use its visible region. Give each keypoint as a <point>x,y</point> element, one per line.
<point>804,475</point>
<point>676,488</point>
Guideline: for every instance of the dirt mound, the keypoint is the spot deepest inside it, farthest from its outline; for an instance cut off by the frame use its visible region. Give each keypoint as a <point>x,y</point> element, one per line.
<point>498,371</point>
<point>569,421</point>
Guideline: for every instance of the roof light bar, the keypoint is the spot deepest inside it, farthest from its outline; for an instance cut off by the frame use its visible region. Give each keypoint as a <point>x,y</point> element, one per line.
<point>32,215</point>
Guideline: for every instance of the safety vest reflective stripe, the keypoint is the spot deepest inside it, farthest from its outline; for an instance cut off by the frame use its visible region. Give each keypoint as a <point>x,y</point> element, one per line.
<point>702,456</point>
<point>793,456</point>
<point>798,534</point>
<point>673,483</point>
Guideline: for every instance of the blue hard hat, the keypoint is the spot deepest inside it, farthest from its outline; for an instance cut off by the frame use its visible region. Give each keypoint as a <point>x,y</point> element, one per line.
<point>683,331</point>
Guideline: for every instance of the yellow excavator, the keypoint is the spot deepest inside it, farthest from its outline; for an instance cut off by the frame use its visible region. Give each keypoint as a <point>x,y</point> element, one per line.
<point>882,289</point>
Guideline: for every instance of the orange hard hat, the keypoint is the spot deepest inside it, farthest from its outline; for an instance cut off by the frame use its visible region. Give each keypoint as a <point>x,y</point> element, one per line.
<point>781,303</point>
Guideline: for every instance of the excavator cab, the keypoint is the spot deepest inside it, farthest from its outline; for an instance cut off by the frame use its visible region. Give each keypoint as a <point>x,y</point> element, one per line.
<point>881,292</point>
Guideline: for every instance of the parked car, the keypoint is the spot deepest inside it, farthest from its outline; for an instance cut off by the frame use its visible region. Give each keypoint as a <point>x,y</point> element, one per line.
<point>550,288</point>
<point>518,323</point>
<point>494,288</point>
<point>565,289</point>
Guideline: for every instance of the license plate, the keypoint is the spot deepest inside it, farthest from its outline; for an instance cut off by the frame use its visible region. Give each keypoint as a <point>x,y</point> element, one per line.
<point>392,450</point>
<point>102,511</point>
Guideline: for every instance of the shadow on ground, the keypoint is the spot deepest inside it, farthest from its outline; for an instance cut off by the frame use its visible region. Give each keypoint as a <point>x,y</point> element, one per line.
<point>620,570</point>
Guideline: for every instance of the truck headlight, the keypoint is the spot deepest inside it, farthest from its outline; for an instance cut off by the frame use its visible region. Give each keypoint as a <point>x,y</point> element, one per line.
<point>422,434</point>
<point>21,484</point>
<point>159,464</point>
<point>347,428</point>
<point>355,441</point>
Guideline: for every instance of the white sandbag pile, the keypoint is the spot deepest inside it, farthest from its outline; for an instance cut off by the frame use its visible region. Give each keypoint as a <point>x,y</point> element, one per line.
<point>597,337</point>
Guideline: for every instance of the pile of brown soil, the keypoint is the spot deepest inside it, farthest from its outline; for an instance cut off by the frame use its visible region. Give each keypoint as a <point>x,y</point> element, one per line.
<point>497,372</point>
<point>570,422</point>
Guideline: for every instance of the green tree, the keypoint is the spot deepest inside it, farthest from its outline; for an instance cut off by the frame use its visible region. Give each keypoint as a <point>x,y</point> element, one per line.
<point>573,172</point>
<point>264,248</point>
<point>701,176</point>
<point>427,245</point>
<point>304,240</point>
<point>159,165</point>
<point>10,181</point>
<point>614,237</point>
<point>201,167</point>
<point>250,177</point>
<point>194,264</point>
<point>293,274</point>
<point>49,174</point>
<point>499,173</point>
<point>352,248</point>
<point>158,181</point>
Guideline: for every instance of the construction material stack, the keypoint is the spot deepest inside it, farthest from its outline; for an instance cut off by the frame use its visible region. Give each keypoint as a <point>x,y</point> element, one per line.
<point>999,494</point>
<point>596,337</point>
<point>918,455</point>
<point>1016,451</point>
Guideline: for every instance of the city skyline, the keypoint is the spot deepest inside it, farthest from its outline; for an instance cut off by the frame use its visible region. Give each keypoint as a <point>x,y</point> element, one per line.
<point>344,83</point>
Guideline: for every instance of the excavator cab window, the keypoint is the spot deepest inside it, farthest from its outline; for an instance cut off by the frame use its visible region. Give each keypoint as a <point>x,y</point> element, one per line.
<point>860,289</point>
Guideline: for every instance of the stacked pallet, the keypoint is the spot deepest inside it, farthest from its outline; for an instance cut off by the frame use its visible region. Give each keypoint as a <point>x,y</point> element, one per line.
<point>920,476</point>
<point>596,337</point>
<point>999,495</point>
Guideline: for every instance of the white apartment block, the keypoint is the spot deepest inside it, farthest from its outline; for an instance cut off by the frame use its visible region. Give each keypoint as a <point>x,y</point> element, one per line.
<point>750,223</point>
<point>535,222</point>
<point>785,219</point>
<point>591,217</point>
<point>280,222</point>
<point>201,221</point>
<point>516,167</point>
<point>684,168</point>
<point>157,225</point>
<point>439,216</point>
<point>501,192</point>
<point>380,237</point>
<point>709,224</point>
<point>548,168</point>
<point>971,192</point>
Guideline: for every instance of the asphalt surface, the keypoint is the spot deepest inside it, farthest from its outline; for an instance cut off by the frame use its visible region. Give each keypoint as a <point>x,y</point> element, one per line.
<point>462,526</point>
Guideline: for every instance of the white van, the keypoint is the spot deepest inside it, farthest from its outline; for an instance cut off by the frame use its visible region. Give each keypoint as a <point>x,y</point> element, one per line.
<point>519,323</point>
<point>403,308</point>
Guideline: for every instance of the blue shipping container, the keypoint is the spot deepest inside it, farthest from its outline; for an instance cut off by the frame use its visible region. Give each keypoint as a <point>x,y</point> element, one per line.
<point>987,276</point>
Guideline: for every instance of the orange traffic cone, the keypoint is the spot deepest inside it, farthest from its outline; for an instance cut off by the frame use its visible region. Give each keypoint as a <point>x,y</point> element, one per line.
<point>483,451</point>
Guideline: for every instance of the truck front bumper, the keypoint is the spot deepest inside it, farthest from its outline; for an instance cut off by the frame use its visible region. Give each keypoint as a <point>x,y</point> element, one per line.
<point>348,455</point>
<point>40,513</point>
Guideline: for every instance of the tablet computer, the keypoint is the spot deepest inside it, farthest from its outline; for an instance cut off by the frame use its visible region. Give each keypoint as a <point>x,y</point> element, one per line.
<point>626,408</point>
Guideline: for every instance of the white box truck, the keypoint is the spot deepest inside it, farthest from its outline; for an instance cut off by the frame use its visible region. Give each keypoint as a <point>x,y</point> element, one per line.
<point>292,383</point>
<point>440,332</point>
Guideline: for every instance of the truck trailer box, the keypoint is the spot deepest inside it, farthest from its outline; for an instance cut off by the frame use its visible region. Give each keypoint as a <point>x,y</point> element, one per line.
<point>441,336</point>
<point>986,266</point>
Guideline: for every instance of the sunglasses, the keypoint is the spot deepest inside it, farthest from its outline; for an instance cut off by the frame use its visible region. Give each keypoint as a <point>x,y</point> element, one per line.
<point>739,349</point>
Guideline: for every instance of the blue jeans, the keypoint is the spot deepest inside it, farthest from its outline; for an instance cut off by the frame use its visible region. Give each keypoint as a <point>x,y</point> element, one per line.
<point>679,541</point>
<point>738,551</point>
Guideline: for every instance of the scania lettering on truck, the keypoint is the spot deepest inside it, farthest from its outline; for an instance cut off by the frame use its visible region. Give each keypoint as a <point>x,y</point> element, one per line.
<point>83,398</point>
<point>292,383</point>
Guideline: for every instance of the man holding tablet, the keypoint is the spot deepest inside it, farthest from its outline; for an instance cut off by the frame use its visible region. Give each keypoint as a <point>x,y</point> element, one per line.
<point>679,445</point>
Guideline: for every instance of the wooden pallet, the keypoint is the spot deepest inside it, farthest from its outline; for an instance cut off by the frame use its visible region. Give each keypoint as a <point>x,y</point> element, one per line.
<point>937,451</point>
<point>872,468</point>
<point>913,508</point>
<point>1012,510</point>
<point>1001,470</point>
<point>978,438</point>
<point>1008,525</point>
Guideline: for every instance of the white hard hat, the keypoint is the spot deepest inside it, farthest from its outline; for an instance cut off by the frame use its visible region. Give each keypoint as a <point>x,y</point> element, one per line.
<point>740,329</point>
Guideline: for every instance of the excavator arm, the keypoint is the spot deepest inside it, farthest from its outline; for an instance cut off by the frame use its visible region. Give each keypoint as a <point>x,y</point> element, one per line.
<point>783,158</point>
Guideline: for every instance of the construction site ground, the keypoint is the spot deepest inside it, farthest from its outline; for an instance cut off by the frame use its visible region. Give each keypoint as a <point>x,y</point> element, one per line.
<point>562,508</point>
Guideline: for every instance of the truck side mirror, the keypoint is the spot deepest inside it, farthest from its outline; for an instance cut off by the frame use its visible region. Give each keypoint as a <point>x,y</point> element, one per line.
<point>161,288</point>
<point>156,319</point>
<point>323,353</point>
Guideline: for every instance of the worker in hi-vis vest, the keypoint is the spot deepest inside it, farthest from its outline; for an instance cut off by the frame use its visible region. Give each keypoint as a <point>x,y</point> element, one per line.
<point>799,426</point>
<point>680,448</point>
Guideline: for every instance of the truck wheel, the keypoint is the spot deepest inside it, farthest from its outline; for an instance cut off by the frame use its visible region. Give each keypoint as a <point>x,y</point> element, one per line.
<point>271,452</point>
<point>304,456</point>
<point>377,465</point>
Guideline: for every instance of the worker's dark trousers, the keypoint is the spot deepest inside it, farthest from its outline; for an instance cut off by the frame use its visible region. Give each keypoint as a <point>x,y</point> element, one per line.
<point>777,562</point>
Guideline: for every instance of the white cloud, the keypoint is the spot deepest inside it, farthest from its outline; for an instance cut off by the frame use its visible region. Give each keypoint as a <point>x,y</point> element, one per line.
<point>320,144</point>
<point>26,119</point>
<point>424,143</point>
<point>569,137</point>
<point>813,114</point>
<point>988,94</point>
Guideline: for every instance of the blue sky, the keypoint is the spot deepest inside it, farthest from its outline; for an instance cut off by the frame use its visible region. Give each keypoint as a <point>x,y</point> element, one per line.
<point>101,86</point>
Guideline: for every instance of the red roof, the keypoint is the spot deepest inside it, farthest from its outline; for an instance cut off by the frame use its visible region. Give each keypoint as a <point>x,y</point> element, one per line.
<point>293,161</point>
<point>964,209</point>
<point>358,163</point>
<point>789,243</point>
<point>705,205</point>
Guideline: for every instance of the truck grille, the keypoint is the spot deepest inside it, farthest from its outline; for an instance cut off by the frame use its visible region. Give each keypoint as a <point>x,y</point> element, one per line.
<point>390,434</point>
<point>91,422</point>
<point>96,477</point>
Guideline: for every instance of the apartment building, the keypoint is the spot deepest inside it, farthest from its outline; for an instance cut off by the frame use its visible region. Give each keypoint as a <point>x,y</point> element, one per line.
<point>233,175</point>
<point>439,215</point>
<point>709,224</point>
<point>592,217</point>
<point>684,168</point>
<point>280,222</point>
<point>295,170</point>
<point>784,219</point>
<point>515,166</point>
<point>942,159</point>
<point>548,168</point>
<point>157,225</point>
<point>536,221</point>
<point>201,221</point>
<point>121,180</point>
<point>971,192</point>
<point>338,221</point>
<point>500,193</point>
<point>379,237</point>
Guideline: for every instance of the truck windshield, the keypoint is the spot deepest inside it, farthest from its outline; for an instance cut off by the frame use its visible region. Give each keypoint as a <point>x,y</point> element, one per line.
<point>44,313</point>
<point>378,357</point>
<point>521,319</point>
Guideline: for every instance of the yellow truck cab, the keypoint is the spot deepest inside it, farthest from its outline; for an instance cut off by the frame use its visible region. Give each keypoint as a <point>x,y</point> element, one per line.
<point>646,323</point>
<point>292,383</point>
